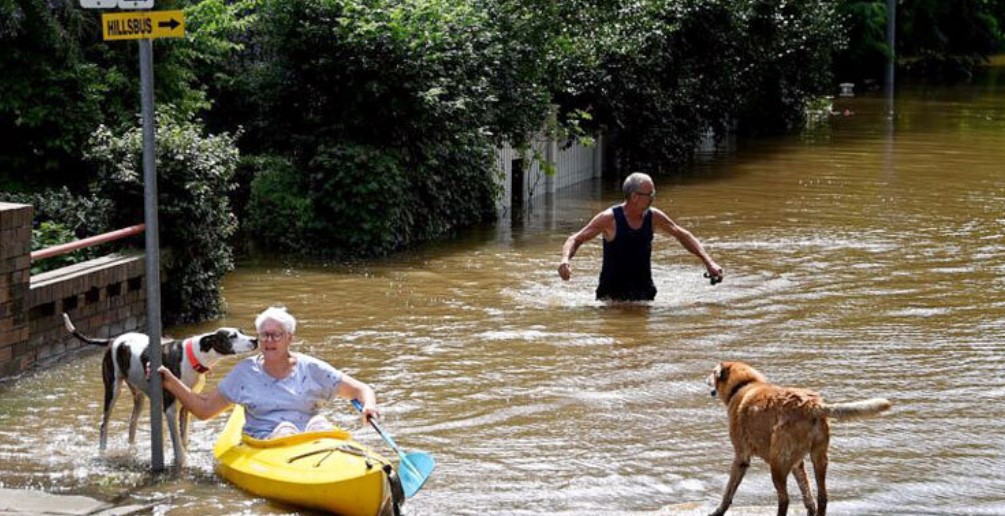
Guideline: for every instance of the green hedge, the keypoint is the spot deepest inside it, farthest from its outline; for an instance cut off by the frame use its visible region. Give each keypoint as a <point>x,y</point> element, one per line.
<point>194,177</point>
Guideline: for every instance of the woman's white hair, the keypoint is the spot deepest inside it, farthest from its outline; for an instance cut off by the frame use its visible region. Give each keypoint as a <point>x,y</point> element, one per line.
<point>280,315</point>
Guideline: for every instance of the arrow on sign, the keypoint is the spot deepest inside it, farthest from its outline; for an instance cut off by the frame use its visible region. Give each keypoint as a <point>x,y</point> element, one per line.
<point>171,24</point>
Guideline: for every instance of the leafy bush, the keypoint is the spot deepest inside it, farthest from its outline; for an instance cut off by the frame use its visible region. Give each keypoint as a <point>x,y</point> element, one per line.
<point>383,107</point>
<point>360,199</point>
<point>194,174</point>
<point>278,209</point>
<point>61,217</point>
<point>49,234</point>
<point>82,215</point>
<point>453,185</point>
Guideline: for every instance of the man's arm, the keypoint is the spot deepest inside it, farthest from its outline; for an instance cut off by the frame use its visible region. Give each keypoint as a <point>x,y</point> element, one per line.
<point>687,240</point>
<point>603,222</point>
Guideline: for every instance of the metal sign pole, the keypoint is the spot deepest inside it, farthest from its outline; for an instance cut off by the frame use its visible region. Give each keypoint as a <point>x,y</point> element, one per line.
<point>891,42</point>
<point>144,26</point>
<point>152,254</point>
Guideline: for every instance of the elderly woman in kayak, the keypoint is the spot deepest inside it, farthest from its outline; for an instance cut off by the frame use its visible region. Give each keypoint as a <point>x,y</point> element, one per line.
<point>280,391</point>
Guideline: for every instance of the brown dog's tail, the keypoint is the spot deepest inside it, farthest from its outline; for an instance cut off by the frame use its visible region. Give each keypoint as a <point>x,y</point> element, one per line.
<point>90,340</point>
<point>857,409</point>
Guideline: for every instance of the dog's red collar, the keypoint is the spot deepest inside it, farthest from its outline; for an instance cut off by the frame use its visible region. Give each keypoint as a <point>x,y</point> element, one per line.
<point>190,353</point>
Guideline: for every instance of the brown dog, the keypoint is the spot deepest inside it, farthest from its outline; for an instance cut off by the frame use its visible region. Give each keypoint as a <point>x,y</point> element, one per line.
<point>780,425</point>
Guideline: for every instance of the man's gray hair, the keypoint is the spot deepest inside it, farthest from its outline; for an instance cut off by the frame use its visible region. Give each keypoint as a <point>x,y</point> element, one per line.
<point>278,314</point>
<point>633,182</point>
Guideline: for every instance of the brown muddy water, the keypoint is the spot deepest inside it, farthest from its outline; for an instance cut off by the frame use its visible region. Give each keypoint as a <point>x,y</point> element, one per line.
<point>864,258</point>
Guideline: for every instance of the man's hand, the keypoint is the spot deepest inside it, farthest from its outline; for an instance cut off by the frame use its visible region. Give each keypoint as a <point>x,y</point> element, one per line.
<point>715,273</point>
<point>564,271</point>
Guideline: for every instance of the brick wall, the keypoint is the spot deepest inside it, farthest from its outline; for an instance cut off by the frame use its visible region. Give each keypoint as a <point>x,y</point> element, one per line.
<point>104,297</point>
<point>15,244</point>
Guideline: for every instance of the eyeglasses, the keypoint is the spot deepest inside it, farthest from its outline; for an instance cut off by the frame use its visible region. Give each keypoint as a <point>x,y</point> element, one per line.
<point>272,336</point>
<point>651,194</point>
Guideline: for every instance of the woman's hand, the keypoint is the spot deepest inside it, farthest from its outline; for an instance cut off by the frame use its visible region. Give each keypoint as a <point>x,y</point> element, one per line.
<point>370,411</point>
<point>166,374</point>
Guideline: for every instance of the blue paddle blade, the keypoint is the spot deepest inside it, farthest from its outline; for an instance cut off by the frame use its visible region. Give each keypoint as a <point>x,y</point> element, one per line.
<point>413,470</point>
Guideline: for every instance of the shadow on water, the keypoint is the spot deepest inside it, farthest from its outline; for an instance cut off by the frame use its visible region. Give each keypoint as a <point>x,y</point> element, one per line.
<point>858,264</point>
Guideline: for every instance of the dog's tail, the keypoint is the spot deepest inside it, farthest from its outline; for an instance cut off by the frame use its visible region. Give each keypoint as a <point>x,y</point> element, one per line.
<point>73,329</point>
<point>857,409</point>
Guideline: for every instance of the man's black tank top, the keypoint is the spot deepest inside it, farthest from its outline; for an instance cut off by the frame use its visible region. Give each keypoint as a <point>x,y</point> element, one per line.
<point>626,274</point>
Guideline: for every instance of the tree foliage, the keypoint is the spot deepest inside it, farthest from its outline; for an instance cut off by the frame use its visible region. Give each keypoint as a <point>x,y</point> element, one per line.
<point>867,51</point>
<point>940,39</point>
<point>949,39</point>
<point>49,92</point>
<point>661,75</point>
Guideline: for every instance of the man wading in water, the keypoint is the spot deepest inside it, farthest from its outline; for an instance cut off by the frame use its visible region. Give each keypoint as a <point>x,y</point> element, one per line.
<point>626,274</point>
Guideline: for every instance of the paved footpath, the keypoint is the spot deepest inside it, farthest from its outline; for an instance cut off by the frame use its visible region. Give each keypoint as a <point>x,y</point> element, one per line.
<point>19,502</point>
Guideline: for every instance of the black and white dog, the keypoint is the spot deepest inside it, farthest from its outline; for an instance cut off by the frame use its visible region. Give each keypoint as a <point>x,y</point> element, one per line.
<point>127,358</point>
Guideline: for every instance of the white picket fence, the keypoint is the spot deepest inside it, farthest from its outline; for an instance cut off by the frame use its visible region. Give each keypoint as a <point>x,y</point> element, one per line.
<point>573,165</point>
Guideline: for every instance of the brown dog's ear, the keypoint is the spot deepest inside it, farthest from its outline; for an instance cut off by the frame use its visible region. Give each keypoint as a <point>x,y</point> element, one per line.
<point>722,372</point>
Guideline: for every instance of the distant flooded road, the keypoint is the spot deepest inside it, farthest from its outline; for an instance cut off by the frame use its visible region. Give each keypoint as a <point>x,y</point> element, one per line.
<point>863,258</point>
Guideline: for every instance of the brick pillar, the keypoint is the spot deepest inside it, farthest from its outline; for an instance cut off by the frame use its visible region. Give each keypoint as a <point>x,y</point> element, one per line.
<point>15,278</point>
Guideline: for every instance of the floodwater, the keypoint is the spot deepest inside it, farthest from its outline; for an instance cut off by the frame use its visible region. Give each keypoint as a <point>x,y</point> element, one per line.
<point>864,257</point>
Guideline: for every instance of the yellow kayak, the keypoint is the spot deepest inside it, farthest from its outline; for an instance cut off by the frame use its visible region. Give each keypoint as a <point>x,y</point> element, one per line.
<point>327,471</point>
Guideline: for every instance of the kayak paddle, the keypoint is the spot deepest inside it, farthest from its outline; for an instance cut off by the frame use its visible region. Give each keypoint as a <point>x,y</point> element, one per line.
<point>414,468</point>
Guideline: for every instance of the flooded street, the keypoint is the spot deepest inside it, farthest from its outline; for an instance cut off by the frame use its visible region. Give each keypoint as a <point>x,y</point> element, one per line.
<point>864,258</point>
